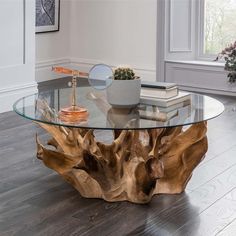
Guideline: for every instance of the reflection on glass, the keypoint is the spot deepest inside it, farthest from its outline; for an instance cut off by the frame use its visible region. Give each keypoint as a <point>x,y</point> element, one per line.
<point>122,117</point>
<point>44,111</point>
<point>45,107</point>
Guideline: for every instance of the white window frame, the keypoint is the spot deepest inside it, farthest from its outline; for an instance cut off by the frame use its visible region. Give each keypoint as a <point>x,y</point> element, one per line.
<point>200,15</point>
<point>200,33</point>
<point>195,58</point>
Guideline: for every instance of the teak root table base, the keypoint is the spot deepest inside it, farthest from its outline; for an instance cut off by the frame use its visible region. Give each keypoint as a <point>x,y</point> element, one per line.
<point>137,165</point>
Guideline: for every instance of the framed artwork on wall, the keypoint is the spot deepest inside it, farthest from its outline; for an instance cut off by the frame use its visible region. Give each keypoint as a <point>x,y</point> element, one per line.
<point>47,16</point>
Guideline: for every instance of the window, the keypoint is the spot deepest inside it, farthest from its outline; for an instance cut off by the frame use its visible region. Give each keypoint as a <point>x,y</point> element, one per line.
<point>219,26</point>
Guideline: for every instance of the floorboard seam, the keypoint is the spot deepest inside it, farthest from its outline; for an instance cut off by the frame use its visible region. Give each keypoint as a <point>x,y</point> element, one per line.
<point>212,178</point>
<point>225,227</point>
<point>217,155</point>
<point>204,210</point>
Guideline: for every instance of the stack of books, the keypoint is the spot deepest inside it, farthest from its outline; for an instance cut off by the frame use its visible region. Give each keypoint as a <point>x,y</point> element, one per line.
<point>167,98</point>
<point>162,94</point>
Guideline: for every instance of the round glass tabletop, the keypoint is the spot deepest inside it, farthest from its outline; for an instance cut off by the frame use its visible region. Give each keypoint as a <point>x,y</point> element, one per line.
<point>44,107</point>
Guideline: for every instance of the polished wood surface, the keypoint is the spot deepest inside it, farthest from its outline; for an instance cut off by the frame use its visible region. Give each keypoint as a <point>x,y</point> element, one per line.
<point>134,167</point>
<point>36,201</point>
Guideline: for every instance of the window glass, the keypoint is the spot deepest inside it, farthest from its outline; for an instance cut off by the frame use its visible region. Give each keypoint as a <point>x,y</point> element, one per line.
<point>219,25</point>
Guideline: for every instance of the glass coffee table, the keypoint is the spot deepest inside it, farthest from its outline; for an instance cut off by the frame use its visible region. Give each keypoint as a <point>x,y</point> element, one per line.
<point>153,151</point>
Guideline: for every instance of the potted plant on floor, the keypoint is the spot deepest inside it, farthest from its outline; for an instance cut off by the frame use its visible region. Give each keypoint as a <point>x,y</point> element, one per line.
<point>124,91</point>
<point>229,55</point>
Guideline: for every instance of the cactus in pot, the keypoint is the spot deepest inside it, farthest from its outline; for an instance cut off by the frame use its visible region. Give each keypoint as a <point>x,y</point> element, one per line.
<point>124,73</point>
<point>124,92</point>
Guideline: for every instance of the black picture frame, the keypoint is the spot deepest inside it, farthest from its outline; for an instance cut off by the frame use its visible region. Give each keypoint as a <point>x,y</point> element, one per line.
<point>47,16</point>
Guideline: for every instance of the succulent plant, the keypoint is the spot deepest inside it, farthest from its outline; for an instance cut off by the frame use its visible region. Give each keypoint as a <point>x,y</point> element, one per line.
<point>124,73</point>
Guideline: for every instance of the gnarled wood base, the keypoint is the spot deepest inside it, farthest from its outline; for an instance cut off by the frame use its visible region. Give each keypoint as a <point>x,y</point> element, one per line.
<point>137,165</point>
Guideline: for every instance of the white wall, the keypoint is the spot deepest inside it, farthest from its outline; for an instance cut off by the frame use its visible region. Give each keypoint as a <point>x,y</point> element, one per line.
<point>53,48</point>
<point>17,51</point>
<point>114,32</point>
<point>119,32</point>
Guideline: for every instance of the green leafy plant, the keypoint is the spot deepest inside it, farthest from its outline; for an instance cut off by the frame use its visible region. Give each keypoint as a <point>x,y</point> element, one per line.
<point>229,56</point>
<point>124,73</point>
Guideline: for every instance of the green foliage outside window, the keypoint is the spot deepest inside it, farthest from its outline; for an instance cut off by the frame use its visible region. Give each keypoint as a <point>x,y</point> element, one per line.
<point>220,25</point>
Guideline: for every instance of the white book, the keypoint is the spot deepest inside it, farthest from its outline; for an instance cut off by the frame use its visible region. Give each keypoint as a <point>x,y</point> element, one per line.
<point>159,93</point>
<point>157,85</point>
<point>157,116</point>
<point>183,114</point>
<point>180,110</point>
<point>175,106</point>
<point>181,97</point>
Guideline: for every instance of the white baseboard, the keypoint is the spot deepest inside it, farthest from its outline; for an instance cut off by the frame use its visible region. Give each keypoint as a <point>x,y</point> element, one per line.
<point>146,73</point>
<point>8,96</point>
<point>44,73</point>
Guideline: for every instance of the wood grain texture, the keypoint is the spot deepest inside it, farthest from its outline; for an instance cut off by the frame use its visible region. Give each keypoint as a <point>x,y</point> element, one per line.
<point>134,167</point>
<point>222,212</point>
